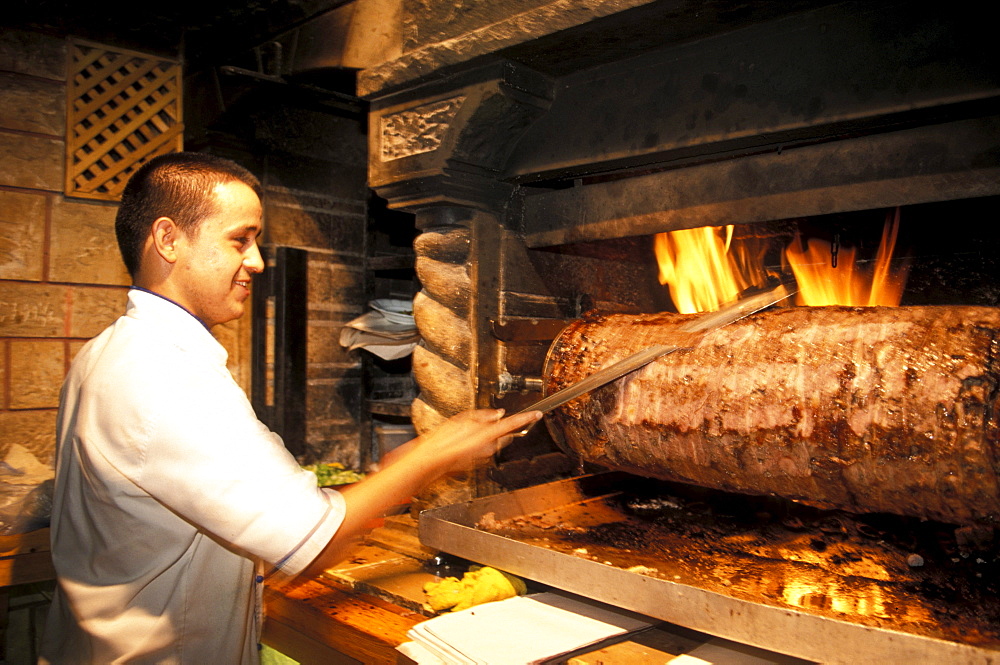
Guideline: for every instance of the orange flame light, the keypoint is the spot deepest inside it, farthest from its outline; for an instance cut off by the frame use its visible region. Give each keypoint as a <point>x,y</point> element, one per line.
<point>704,268</point>
<point>848,283</point>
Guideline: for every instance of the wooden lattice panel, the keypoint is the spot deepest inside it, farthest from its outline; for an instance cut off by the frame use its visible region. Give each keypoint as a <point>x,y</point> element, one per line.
<point>123,108</point>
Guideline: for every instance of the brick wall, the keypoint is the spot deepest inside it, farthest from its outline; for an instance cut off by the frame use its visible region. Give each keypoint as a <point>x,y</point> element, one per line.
<point>61,278</point>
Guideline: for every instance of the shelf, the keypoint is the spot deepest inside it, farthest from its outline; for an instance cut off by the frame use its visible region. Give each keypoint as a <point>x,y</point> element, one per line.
<point>390,407</point>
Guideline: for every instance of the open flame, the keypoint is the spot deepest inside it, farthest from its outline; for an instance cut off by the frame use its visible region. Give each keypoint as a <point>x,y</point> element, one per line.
<point>846,281</point>
<point>704,268</point>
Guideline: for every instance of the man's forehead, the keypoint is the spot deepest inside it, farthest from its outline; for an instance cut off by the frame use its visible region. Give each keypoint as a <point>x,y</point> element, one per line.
<point>235,196</point>
<point>236,208</point>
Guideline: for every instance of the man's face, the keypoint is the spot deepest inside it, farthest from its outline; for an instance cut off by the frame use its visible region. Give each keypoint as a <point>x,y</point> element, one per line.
<point>215,262</point>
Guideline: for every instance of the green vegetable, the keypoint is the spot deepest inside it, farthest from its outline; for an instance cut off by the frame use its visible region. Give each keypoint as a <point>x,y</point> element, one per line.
<point>333,473</point>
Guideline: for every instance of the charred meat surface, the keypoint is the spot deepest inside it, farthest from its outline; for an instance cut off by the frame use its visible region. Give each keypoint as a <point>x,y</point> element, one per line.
<point>866,409</point>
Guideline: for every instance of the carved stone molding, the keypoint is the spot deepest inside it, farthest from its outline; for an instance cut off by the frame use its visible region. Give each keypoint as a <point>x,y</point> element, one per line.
<point>417,130</point>
<point>450,147</point>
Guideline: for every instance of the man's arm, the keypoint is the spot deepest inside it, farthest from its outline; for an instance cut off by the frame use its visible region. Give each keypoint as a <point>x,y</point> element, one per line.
<point>458,444</point>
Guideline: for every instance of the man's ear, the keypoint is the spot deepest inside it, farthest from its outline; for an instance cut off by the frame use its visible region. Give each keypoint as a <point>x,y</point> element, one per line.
<point>165,234</point>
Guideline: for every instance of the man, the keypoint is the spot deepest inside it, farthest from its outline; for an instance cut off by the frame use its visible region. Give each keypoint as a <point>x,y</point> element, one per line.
<point>173,503</point>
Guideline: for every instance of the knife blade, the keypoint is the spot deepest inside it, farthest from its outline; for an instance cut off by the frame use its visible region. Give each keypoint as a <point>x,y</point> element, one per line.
<point>709,321</point>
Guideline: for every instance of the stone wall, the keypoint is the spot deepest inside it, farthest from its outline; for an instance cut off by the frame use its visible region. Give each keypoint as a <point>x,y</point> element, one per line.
<point>314,171</point>
<point>62,281</point>
<point>61,278</point>
<point>330,226</point>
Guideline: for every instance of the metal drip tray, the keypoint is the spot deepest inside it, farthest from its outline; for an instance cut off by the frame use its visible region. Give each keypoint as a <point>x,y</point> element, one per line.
<point>817,584</point>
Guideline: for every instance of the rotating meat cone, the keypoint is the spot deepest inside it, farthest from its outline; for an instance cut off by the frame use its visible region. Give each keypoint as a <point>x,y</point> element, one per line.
<point>869,409</point>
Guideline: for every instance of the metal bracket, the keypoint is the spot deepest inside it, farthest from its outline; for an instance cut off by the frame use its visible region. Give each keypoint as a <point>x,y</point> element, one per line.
<point>509,383</point>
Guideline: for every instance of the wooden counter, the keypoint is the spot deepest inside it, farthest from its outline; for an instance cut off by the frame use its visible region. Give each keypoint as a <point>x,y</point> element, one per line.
<point>358,611</point>
<point>317,622</point>
<point>25,558</point>
<point>361,610</point>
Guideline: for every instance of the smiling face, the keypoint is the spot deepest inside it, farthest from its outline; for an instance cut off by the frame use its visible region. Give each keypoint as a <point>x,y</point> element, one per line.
<point>215,263</point>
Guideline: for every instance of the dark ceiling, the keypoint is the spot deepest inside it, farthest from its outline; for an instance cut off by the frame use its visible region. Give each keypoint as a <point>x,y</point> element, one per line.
<point>203,32</point>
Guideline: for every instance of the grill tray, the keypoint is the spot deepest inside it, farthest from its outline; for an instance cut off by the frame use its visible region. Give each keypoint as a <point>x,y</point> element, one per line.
<point>817,584</point>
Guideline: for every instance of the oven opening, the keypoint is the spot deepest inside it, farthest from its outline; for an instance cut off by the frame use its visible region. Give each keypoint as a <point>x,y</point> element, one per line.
<point>931,254</point>
<point>907,255</point>
<point>942,253</point>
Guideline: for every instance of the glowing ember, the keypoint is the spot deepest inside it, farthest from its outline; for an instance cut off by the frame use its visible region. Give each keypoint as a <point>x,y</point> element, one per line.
<point>705,268</point>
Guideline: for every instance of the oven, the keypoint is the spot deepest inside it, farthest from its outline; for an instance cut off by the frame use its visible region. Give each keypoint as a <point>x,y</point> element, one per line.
<point>844,137</point>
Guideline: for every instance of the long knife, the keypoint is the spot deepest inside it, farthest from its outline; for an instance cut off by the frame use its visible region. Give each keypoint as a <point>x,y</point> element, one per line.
<point>730,313</point>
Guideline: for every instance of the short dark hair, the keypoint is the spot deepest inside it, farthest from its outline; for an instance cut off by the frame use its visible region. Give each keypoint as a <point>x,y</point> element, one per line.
<point>178,185</point>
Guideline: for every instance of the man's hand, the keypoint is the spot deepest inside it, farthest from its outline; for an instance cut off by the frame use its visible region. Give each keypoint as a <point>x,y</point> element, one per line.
<point>457,444</point>
<point>470,437</point>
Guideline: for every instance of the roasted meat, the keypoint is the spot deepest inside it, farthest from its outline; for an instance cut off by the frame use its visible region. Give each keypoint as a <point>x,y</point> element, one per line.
<point>869,409</point>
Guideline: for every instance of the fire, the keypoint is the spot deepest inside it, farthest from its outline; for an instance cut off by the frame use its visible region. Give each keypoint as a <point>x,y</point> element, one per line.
<point>705,268</point>
<point>823,281</point>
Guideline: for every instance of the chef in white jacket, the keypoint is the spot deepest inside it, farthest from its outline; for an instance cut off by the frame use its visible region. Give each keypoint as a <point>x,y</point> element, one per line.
<point>173,503</point>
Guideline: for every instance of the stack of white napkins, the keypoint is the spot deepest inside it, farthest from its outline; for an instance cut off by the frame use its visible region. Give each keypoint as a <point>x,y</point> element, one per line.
<point>389,330</point>
<point>516,631</point>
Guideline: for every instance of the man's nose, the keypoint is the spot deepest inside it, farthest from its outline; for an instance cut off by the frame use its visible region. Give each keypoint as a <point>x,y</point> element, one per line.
<point>253,261</point>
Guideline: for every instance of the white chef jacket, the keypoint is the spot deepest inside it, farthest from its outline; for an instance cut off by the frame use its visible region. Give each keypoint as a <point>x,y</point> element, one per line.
<point>168,493</point>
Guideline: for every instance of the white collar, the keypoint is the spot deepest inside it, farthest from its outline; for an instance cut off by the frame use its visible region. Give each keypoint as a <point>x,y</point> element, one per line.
<point>175,322</point>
